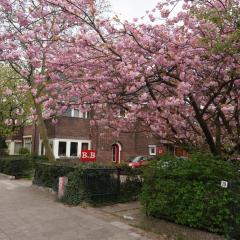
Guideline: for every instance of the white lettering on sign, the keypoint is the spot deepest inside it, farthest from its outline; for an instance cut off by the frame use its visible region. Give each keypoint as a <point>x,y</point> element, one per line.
<point>92,155</point>
<point>84,155</point>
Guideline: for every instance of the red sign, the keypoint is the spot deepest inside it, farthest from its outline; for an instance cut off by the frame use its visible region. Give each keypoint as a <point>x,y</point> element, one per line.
<point>161,151</point>
<point>88,155</point>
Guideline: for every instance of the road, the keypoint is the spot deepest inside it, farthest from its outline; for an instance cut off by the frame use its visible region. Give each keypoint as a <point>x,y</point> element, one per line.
<point>29,213</point>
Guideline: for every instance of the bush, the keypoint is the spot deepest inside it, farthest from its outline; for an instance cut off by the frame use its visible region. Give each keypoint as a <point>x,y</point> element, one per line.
<point>3,147</point>
<point>24,151</point>
<point>90,182</point>
<point>130,188</point>
<point>93,185</point>
<point>75,192</point>
<point>16,166</point>
<point>131,183</point>
<point>188,192</point>
<point>47,175</point>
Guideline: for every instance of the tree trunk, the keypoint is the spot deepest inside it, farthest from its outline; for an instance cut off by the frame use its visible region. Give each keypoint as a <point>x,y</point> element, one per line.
<point>43,133</point>
<point>218,134</point>
<point>204,127</point>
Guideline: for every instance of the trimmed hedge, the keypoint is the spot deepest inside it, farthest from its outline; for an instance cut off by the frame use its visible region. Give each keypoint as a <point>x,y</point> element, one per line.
<point>90,182</point>
<point>131,183</point>
<point>47,175</point>
<point>20,166</point>
<point>188,192</point>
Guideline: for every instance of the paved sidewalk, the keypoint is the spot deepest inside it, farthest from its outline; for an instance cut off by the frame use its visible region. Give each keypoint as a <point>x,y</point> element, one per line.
<point>28,213</point>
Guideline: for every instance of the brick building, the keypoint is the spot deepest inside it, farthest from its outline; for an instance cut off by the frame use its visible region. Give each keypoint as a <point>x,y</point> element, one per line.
<point>73,133</point>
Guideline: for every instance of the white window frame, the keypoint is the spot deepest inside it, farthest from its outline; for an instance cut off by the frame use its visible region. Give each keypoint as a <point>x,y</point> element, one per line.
<point>55,144</point>
<point>77,148</point>
<point>150,148</point>
<point>16,141</point>
<point>28,136</point>
<point>41,145</point>
<point>82,115</point>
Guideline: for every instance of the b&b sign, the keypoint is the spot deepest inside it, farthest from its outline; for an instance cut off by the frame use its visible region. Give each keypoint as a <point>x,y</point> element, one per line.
<point>88,156</point>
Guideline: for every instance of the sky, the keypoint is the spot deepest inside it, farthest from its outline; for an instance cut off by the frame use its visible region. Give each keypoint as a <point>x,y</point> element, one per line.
<point>128,9</point>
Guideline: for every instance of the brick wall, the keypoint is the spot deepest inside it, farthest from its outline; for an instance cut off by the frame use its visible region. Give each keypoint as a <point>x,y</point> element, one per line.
<point>132,144</point>
<point>69,127</point>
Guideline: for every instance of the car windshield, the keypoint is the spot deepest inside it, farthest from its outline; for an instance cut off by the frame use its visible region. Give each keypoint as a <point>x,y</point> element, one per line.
<point>136,159</point>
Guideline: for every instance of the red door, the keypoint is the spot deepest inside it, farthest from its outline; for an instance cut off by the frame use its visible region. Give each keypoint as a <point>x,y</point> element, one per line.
<point>116,153</point>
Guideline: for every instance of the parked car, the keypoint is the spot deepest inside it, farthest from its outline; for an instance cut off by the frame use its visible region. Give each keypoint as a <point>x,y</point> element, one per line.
<point>139,161</point>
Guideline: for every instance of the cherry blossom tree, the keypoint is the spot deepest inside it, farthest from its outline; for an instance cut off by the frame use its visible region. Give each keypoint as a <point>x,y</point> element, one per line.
<point>179,76</point>
<point>26,32</point>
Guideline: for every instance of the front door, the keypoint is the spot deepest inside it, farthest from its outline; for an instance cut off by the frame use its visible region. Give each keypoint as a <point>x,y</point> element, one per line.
<point>116,153</point>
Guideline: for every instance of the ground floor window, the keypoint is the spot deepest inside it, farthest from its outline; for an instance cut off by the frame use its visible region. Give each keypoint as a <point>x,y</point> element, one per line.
<point>66,147</point>
<point>74,149</point>
<point>85,146</point>
<point>62,149</point>
<point>27,143</point>
<point>17,147</point>
<point>152,150</point>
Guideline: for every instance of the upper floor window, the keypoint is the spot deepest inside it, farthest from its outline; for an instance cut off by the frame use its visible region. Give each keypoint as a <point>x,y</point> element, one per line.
<point>70,112</point>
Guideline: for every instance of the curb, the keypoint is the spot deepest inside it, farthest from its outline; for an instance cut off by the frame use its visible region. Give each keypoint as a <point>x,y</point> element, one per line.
<point>2,175</point>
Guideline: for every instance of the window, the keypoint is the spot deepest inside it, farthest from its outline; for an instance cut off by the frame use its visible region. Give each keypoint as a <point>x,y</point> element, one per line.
<point>62,149</point>
<point>76,112</point>
<point>68,112</point>
<point>27,143</point>
<point>73,149</point>
<point>152,150</point>
<point>85,146</point>
<point>42,147</point>
<point>17,147</point>
<point>86,115</point>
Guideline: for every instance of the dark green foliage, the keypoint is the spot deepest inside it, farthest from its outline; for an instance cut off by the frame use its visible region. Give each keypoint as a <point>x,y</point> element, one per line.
<point>24,151</point>
<point>19,167</point>
<point>94,185</point>
<point>47,175</point>
<point>75,192</point>
<point>90,182</point>
<point>188,192</point>
<point>3,147</point>
<point>130,188</point>
<point>131,183</point>
<point>38,159</point>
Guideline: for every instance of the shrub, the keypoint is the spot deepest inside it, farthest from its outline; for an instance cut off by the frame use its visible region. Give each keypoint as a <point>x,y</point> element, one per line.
<point>3,147</point>
<point>94,185</point>
<point>16,166</point>
<point>90,182</point>
<point>37,159</point>
<point>24,151</point>
<point>130,188</point>
<point>47,174</point>
<point>75,192</point>
<point>131,183</point>
<point>188,192</point>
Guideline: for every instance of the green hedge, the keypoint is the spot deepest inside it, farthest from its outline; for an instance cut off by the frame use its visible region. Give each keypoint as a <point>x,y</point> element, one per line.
<point>90,182</point>
<point>188,192</point>
<point>16,166</point>
<point>47,175</point>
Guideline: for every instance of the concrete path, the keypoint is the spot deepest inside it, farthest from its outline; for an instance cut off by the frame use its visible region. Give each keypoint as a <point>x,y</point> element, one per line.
<point>28,213</point>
